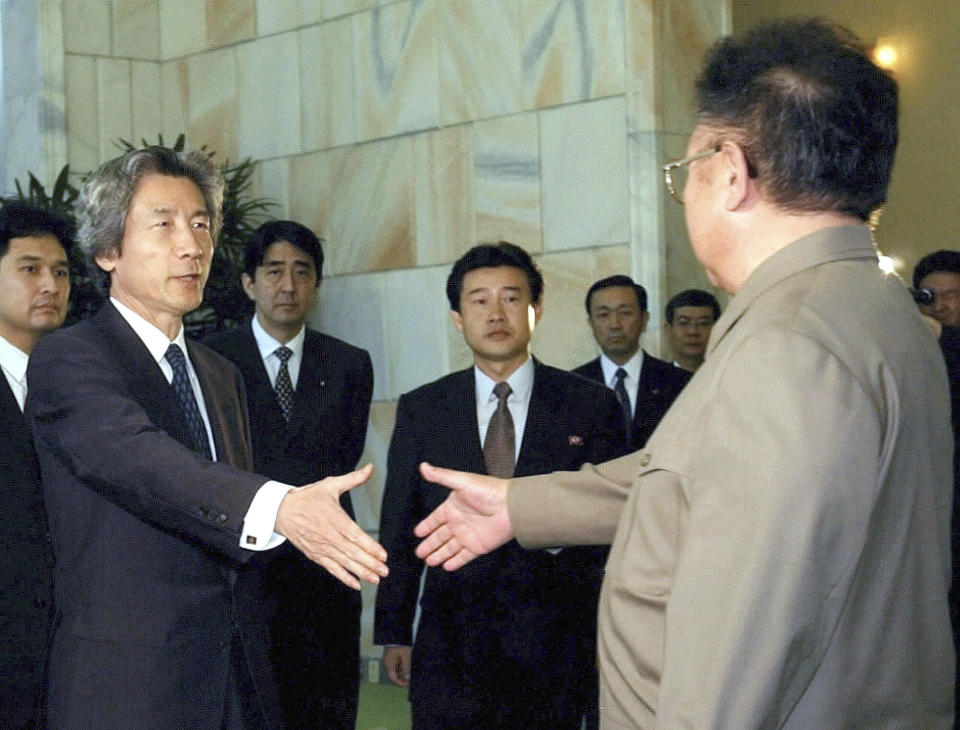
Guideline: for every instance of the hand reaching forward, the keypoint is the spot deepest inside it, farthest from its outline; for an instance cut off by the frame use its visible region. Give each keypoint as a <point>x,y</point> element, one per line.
<point>312,519</point>
<point>472,521</point>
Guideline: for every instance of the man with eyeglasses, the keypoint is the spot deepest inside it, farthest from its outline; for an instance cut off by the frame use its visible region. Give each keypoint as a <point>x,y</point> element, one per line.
<point>690,316</point>
<point>780,547</point>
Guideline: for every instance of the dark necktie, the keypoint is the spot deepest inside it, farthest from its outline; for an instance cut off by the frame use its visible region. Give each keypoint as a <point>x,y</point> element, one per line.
<point>188,402</point>
<point>621,391</point>
<point>283,386</point>
<point>498,446</point>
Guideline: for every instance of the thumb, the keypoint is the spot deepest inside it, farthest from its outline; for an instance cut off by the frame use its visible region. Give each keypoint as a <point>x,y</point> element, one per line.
<point>449,478</point>
<point>346,482</point>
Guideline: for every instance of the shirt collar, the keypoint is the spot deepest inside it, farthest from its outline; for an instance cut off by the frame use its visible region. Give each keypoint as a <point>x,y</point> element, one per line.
<point>520,382</point>
<point>153,337</point>
<point>13,359</point>
<point>267,344</point>
<point>632,366</point>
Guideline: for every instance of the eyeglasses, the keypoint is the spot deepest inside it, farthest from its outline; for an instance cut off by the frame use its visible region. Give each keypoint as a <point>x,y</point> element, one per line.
<point>675,173</point>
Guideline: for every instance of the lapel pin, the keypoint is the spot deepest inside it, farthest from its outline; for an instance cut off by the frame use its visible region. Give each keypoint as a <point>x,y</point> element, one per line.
<point>575,440</point>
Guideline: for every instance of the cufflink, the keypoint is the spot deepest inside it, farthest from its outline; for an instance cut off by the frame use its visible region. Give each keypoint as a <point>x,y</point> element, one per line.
<point>251,540</point>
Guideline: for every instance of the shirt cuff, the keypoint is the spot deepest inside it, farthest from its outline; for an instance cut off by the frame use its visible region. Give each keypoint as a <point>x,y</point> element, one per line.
<point>258,523</point>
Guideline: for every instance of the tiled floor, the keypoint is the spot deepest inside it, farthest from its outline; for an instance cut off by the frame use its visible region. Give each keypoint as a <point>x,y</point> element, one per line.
<point>383,707</point>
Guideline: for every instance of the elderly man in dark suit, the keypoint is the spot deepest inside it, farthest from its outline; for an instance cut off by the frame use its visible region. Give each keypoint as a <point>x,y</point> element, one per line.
<point>309,397</point>
<point>508,643</point>
<point>143,444</point>
<point>645,386</point>
<point>34,286</point>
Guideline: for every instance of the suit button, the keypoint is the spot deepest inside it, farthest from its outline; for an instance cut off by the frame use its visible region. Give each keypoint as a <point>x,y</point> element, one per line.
<point>221,518</point>
<point>644,459</point>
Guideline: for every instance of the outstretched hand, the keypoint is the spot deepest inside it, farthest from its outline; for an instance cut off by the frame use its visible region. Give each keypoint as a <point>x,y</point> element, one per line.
<point>312,519</point>
<point>472,521</point>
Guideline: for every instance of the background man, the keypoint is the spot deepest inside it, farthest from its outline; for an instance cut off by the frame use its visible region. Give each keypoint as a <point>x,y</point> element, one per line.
<point>690,315</point>
<point>309,397</point>
<point>141,438</point>
<point>507,643</point>
<point>34,288</point>
<point>645,386</point>
<point>780,547</point>
<point>940,273</point>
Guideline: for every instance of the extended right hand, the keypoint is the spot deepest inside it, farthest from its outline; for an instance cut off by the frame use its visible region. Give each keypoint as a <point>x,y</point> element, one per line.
<point>396,660</point>
<point>312,519</point>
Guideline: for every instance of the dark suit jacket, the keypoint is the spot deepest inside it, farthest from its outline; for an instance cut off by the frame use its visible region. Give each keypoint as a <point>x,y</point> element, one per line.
<point>660,384</point>
<point>152,587</point>
<point>26,570</point>
<point>316,631</point>
<point>513,617</point>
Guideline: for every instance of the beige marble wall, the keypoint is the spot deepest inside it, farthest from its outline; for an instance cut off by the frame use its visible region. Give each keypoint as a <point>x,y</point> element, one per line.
<point>404,131</point>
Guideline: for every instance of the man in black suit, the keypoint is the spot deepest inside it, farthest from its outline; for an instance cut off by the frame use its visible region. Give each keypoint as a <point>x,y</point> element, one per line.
<point>142,439</point>
<point>507,643</point>
<point>645,386</point>
<point>309,397</point>
<point>689,318</point>
<point>34,287</point>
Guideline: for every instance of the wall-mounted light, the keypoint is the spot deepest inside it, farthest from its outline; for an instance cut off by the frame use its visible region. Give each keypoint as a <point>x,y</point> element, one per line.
<point>886,53</point>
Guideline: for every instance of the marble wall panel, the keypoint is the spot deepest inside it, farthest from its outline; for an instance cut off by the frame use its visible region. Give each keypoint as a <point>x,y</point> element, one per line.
<point>183,27</point>
<point>114,120</point>
<point>277,16</point>
<point>83,134</point>
<point>396,69</point>
<point>416,314</point>
<point>136,29</point>
<point>506,171</point>
<point>443,175</point>
<point>572,50</point>
<point>338,8</point>
<point>272,180</point>
<point>212,93</point>
<point>353,308</point>
<point>268,105</point>
<point>230,21</point>
<point>584,175</point>
<point>366,206</point>
<point>686,29</point>
<point>175,86</point>
<point>479,60</point>
<point>648,203</point>
<point>146,101</point>
<point>562,337</point>
<point>306,197</point>
<point>326,85</point>
<point>86,26</point>
<point>644,105</point>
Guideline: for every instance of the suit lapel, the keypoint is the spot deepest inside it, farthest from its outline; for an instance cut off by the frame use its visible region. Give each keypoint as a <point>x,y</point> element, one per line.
<point>13,424</point>
<point>538,422</point>
<point>311,386</point>
<point>459,406</point>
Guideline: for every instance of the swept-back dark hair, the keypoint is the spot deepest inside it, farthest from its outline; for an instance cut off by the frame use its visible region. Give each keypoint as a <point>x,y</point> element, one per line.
<point>692,298</point>
<point>19,219</point>
<point>618,280</point>
<point>816,117</point>
<point>290,231</point>
<point>946,261</point>
<point>502,253</point>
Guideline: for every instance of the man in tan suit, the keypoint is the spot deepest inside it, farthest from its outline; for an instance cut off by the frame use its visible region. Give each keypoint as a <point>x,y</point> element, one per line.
<point>780,547</point>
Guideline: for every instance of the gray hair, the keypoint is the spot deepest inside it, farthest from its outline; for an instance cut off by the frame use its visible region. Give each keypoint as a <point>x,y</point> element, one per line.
<point>105,198</point>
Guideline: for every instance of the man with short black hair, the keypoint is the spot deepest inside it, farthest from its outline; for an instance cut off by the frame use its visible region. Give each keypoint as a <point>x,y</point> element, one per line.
<point>939,272</point>
<point>510,643</point>
<point>309,396</point>
<point>34,291</point>
<point>645,386</point>
<point>690,315</point>
<point>781,551</point>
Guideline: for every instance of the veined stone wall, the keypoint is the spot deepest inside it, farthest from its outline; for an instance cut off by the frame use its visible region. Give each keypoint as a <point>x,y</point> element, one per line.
<point>404,132</point>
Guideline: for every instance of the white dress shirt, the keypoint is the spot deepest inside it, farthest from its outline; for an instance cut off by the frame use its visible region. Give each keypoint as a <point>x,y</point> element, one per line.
<point>258,523</point>
<point>631,382</point>
<point>13,361</point>
<point>518,402</point>
<point>267,346</point>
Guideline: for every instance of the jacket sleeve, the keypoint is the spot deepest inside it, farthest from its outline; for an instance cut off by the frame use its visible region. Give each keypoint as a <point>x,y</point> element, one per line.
<point>401,510</point>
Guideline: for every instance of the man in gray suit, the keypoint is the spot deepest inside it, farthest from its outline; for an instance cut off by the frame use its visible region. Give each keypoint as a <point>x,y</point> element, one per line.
<point>781,551</point>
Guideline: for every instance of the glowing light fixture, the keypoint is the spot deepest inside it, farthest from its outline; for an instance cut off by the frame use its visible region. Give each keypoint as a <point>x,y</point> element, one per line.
<point>886,55</point>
